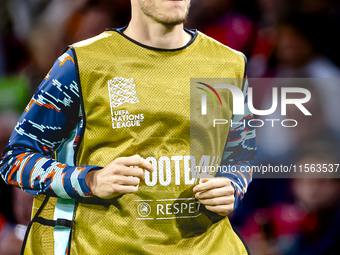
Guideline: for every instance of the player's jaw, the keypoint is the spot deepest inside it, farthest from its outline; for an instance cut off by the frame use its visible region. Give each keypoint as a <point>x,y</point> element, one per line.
<point>170,12</point>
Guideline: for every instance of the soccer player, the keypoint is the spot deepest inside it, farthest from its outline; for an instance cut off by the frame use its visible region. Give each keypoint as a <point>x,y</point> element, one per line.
<point>106,143</point>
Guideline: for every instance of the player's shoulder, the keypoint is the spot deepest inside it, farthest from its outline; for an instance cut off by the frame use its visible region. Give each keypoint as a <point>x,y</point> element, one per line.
<point>208,42</point>
<point>101,38</point>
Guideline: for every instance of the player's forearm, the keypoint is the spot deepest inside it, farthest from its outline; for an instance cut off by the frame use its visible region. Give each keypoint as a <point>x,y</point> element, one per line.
<point>238,164</point>
<point>37,173</point>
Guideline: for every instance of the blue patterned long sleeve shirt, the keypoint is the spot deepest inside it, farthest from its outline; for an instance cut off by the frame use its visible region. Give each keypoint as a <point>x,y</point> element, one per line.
<point>48,122</point>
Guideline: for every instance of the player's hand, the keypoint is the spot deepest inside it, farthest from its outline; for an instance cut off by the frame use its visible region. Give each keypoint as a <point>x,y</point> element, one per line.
<point>118,177</point>
<point>216,194</point>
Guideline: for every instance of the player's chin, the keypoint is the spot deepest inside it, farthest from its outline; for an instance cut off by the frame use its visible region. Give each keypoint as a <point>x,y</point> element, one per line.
<point>176,10</point>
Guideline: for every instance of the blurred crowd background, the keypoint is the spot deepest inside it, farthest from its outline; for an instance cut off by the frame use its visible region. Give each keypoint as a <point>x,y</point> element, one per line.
<point>280,38</point>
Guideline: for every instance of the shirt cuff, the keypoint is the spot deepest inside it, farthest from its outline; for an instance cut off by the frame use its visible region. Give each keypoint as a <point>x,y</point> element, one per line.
<point>237,195</point>
<point>78,183</point>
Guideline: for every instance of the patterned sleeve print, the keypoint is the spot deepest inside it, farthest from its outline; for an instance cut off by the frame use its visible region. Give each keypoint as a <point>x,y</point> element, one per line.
<point>47,122</point>
<point>240,151</point>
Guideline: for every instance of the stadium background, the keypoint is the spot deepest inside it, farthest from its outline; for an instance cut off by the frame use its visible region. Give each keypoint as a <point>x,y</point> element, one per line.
<point>280,38</point>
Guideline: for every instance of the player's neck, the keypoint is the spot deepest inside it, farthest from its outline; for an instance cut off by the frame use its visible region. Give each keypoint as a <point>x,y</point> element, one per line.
<point>154,34</point>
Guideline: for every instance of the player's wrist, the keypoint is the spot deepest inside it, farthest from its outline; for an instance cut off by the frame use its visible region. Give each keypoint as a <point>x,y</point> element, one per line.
<point>90,180</point>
